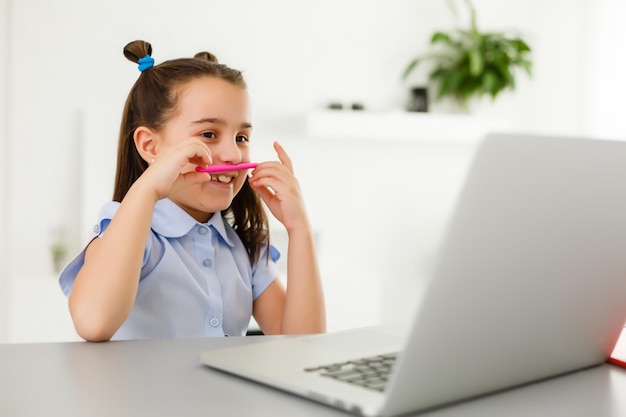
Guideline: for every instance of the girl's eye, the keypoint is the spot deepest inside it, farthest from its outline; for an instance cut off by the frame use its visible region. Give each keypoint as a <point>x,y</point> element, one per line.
<point>242,138</point>
<point>208,135</point>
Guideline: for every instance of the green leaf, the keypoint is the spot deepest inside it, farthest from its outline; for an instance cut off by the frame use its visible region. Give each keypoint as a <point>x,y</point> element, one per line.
<point>527,66</point>
<point>520,45</point>
<point>440,37</point>
<point>476,62</point>
<point>409,69</point>
<point>490,83</point>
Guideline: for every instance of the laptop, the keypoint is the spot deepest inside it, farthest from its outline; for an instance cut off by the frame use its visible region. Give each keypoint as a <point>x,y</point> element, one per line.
<point>530,283</point>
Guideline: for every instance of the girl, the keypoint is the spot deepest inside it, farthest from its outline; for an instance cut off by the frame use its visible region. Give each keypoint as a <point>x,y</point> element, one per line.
<point>181,253</point>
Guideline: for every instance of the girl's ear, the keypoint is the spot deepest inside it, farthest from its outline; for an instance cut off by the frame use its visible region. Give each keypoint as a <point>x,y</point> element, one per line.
<point>145,143</point>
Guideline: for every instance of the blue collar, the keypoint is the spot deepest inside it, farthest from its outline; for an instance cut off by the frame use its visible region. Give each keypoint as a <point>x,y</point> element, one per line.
<point>171,221</point>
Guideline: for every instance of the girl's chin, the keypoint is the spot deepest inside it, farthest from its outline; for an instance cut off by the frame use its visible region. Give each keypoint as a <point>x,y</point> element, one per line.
<point>213,206</point>
<point>203,210</point>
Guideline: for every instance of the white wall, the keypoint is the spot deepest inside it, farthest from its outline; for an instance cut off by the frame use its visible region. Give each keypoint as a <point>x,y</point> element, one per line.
<point>607,84</point>
<point>73,69</point>
<point>69,80</point>
<point>4,173</point>
<point>553,101</point>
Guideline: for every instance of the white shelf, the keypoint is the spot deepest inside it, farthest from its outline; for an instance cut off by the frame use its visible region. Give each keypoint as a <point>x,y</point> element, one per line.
<point>402,125</point>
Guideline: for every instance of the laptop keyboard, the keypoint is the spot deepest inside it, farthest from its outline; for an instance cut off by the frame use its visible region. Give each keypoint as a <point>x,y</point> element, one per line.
<point>371,372</point>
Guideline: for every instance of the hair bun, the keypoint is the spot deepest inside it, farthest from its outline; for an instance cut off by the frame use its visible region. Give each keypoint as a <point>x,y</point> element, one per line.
<point>207,56</point>
<point>136,50</point>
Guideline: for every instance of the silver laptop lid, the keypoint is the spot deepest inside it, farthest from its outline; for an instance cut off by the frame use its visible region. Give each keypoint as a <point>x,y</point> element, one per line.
<point>531,278</point>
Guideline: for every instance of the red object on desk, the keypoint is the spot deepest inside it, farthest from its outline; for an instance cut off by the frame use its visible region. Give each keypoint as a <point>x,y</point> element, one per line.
<point>618,357</point>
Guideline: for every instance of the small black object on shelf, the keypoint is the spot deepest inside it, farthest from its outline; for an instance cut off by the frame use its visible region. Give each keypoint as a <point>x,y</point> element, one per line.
<point>418,100</point>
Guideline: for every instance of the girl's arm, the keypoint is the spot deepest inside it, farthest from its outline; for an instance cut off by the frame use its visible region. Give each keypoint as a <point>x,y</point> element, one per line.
<point>304,303</point>
<point>106,286</point>
<point>299,309</point>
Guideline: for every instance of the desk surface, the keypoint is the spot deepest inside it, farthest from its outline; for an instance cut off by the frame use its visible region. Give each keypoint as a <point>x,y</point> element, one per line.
<point>164,378</point>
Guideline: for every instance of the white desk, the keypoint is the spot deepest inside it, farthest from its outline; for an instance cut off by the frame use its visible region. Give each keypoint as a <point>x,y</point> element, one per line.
<point>164,378</point>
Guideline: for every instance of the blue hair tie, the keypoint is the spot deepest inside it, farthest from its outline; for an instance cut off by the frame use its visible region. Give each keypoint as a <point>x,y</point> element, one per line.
<point>145,63</point>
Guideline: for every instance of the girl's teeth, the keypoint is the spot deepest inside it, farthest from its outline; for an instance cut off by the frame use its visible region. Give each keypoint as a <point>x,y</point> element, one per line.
<point>221,178</point>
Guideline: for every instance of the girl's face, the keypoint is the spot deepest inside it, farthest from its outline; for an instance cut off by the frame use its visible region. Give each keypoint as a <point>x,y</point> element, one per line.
<point>218,113</point>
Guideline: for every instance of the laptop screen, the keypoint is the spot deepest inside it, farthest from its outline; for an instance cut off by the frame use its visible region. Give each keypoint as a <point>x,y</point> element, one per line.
<point>618,357</point>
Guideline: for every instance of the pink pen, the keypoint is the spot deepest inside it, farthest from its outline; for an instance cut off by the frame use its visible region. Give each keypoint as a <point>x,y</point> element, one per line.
<point>227,167</point>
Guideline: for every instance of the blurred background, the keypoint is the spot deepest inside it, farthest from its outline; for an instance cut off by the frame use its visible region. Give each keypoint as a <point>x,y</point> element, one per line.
<point>379,181</point>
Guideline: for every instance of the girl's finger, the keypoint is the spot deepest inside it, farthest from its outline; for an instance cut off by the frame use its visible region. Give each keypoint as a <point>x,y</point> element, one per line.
<point>200,155</point>
<point>266,183</point>
<point>284,158</point>
<point>264,192</point>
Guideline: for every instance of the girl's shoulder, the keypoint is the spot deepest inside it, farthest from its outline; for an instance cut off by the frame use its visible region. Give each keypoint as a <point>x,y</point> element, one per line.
<point>108,209</point>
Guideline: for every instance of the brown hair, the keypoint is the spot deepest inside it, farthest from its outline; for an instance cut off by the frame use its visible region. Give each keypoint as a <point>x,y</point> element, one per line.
<point>152,102</point>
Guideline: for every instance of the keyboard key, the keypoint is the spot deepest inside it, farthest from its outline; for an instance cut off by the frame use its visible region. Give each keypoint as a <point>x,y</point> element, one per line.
<point>370,372</point>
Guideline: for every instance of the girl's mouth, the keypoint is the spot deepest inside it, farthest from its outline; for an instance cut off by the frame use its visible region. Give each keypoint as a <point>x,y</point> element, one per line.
<point>224,179</point>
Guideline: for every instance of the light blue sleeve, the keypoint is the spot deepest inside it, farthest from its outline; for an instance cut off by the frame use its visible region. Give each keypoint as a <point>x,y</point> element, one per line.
<point>264,272</point>
<point>69,272</point>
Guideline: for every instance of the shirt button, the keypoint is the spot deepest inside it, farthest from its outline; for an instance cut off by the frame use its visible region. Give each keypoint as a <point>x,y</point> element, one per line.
<point>202,230</point>
<point>96,228</point>
<point>214,322</point>
<point>207,262</point>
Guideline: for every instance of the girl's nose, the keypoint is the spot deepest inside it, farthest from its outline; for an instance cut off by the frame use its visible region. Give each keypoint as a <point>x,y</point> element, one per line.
<point>228,152</point>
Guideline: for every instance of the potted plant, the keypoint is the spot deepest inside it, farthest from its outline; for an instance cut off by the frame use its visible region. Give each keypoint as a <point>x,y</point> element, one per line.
<point>471,64</point>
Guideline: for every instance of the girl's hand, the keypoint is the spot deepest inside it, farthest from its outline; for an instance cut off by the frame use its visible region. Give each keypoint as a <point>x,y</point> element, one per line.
<point>174,168</point>
<point>276,184</point>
